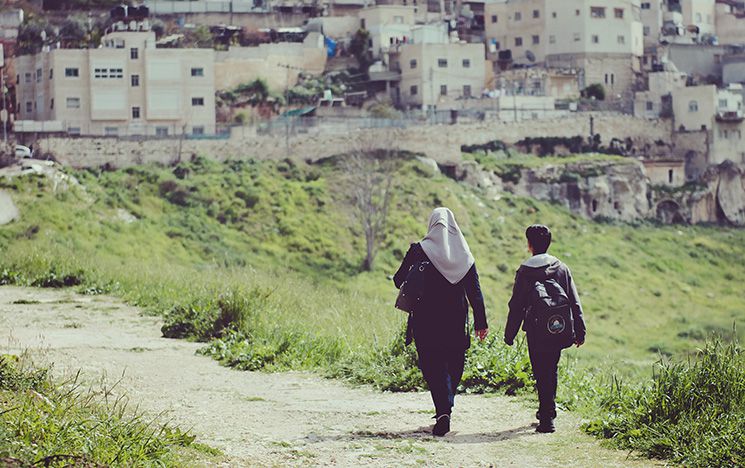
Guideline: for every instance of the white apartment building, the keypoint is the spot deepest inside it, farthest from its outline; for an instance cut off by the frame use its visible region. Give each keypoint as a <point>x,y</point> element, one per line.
<point>125,87</point>
<point>388,26</point>
<point>603,38</point>
<point>439,75</point>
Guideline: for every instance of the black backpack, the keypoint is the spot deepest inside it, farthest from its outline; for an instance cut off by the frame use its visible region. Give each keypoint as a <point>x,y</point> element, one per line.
<point>412,290</point>
<point>549,316</point>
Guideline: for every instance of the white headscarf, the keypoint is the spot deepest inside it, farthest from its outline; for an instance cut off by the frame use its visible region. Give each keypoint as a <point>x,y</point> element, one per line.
<point>446,247</point>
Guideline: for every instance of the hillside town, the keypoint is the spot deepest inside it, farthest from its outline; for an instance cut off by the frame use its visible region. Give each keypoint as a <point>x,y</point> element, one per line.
<point>209,69</point>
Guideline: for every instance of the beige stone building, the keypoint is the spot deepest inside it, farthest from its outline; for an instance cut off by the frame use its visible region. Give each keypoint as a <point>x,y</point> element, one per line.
<point>655,102</point>
<point>718,114</point>
<point>439,75</point>
<point>603,39</point>
<point>388,26</point>
<point>125,87</point>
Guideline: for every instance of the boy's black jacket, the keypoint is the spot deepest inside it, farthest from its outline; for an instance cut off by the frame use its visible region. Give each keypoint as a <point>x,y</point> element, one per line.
<point>538,268</point>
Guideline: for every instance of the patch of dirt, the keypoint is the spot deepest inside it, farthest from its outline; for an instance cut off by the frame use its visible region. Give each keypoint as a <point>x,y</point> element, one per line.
<point>282,419</point>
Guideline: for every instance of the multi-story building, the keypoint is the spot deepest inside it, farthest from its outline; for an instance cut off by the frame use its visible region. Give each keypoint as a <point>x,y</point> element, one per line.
<point>730,22</point>
<point>438,75</point>
<point>604,39</point>
<point>718,114</point>
<point>388,26</point>
<point>125,87</point>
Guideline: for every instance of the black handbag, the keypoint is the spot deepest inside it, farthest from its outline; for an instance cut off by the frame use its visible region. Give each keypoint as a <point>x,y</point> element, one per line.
<point>411,291</point>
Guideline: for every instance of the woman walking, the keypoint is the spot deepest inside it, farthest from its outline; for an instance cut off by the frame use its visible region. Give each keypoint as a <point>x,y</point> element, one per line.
<point>439,319</point>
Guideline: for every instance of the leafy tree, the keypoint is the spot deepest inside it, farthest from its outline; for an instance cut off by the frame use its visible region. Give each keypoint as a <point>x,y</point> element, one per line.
<point>360,48</point>
<point>595,91</point>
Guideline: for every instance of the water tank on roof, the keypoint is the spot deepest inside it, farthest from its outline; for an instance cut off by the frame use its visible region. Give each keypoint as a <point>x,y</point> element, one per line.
<point>119,12</point>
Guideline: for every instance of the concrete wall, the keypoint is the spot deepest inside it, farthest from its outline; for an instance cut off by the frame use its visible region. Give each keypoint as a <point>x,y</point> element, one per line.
<point>268,61</point>
<point>669,173</point>
<point>440,142</point>
<point>733,69</point>
<point>694,107</point>
<point>730,28</point>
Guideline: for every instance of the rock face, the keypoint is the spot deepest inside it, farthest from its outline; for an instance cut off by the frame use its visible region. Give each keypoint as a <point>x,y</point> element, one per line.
<point>8,209</point>
<point>591,189</point>
<point>731,194</point>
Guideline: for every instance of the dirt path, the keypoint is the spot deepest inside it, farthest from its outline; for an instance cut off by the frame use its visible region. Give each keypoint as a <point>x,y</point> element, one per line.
<point>260,419</point>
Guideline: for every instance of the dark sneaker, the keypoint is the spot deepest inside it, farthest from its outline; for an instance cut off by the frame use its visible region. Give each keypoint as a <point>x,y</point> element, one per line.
<point>442,426</point>
<point>546,426</point>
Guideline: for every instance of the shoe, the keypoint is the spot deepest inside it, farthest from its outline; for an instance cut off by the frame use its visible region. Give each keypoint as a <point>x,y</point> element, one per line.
<point>442,426</point>
<point>546,426</point>
<point>538,415</point>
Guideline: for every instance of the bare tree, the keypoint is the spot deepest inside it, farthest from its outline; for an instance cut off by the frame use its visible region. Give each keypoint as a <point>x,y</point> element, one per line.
<point>369,169</point>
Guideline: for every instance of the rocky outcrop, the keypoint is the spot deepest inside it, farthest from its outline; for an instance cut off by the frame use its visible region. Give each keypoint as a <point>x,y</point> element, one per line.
<point>8,209</point>
<point>592,189</point>
<point>731,193</point>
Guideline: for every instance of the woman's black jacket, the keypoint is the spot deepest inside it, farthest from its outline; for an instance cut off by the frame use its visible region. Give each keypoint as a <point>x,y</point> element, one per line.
<point>439,321</point>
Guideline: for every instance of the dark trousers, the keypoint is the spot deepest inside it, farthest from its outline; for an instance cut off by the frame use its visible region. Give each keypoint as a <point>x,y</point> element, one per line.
<point>545,365</point>
<point>442,370</point>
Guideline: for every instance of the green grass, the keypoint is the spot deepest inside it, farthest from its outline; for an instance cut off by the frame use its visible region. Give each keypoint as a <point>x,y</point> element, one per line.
<point>51,423</point>
<point>261,260</point>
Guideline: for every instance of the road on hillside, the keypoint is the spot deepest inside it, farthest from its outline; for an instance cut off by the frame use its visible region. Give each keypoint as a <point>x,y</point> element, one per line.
<point>283,419</point>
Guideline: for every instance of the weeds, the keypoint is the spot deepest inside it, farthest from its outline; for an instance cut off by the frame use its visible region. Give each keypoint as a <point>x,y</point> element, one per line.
<point>692,412</point>
<point>43,422</point>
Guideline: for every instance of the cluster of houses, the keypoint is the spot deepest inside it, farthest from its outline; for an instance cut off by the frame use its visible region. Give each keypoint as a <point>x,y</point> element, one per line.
<point>518,59</point>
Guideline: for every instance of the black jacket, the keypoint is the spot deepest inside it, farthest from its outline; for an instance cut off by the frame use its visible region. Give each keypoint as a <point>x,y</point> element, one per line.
<point>541,267</point>
<point>440,320</point>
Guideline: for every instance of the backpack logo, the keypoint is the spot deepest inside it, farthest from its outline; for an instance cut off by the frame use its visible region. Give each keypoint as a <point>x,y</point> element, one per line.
<point>556,324</point>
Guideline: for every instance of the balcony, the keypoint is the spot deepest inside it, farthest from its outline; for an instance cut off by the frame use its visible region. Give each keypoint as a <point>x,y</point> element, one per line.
<point>730,116</point>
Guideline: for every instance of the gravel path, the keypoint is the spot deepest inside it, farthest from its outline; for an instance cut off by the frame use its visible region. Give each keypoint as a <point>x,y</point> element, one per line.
<point>260,419</point>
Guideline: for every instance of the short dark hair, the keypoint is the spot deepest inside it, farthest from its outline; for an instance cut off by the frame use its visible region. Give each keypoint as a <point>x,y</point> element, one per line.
<point>539,237</point>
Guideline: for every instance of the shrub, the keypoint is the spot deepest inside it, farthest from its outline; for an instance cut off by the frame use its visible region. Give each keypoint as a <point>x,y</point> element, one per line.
<point>595,91</point>
<point>692,412</point>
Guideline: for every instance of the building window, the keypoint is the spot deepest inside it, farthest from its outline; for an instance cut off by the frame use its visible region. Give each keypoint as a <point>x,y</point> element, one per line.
<point>466,90</point>
<point>108,73</point>
<point>518,42</point>
<point>398,20</point>
<point>197,101</point>
<point>197,130</point>
<point>536,40</point>
<point>442,63</point>
<point>597,12</point>
<point>29,107</point>
<point>51,103</point>
<point>536,14</point>
<point>362,25</point>
<point>73,103</point>
<point>134,54</point>
<point>622,39</point>
<point>161,131</point>
<point>412,64</point>
<point>73,130</point>
<point>466,63</point>
<point>595,39</point>
<point>693,106</point>
<point>723,103</point>
<point>618,13</point>
<point>518,16</point>
<point>493,19</point>
<point>698,17</point>
<point>646,5</point>
<point>27,78</point>
<point>552,39</point>
<point>443,90</point>
<point>71,72</point>
<point>670,175</point>
<point>135,80</point>
<point>576,37</point>
<point>553,15</point>
<point>650,105</point>
<point>197,71</point>
<point>413,90</point>
<point>646,30</point>
<point>135,112</point>
<point>51,73</point>
<point>111,131</point>
<point>576,12</point>
<point>38,75</point>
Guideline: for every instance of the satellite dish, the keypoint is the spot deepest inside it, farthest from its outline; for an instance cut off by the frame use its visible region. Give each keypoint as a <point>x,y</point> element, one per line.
<point>530,56</point>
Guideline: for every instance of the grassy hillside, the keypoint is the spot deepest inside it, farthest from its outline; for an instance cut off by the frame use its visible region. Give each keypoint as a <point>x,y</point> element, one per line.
<point>647,289</point>
<point>263,260</point>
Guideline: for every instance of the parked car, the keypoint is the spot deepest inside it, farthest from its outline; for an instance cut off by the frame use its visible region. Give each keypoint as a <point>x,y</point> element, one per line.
<point>23,151</point>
